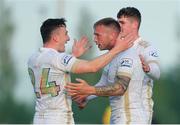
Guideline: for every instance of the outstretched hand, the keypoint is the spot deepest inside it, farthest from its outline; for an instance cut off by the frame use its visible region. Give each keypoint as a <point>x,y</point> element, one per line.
<point>81,88</point>
<point>80,47</point>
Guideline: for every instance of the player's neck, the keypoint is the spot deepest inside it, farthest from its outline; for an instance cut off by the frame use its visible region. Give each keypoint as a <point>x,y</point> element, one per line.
<point>136,35</point>
<point>49,45</point>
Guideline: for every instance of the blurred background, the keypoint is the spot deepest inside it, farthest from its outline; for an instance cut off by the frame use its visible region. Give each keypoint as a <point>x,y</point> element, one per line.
<point>20,21</point>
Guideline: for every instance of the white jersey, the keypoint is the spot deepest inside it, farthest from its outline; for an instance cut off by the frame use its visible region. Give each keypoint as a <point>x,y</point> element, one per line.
<point>127,108</point>
<point>150,56</point>
<point>49,72</point>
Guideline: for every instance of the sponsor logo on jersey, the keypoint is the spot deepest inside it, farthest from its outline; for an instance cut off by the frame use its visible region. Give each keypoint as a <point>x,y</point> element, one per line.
<point>153,54</point>
<point>66,59</point>
<point>126,62</point>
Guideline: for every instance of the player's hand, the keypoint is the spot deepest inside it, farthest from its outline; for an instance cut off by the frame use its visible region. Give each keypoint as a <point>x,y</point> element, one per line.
<point>80,47</point>
<point>124,42</point>
<point>145,66</point>
<point>82,104</point>
<point>81,88</point>
<point>79,98</point>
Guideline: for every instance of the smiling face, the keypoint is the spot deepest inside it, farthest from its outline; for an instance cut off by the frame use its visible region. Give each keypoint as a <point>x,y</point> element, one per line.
<point>104,37</point>
<point>60,36</point>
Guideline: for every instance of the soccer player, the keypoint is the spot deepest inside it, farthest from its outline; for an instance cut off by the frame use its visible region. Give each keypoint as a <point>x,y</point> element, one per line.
<point>121,79</point>
<point>49,69</point>
<point>129,19</point>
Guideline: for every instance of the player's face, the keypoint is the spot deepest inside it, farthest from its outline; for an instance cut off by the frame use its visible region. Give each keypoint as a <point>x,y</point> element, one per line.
<point>62,38</point>
<point>127,25</point>
<point>102,37</point>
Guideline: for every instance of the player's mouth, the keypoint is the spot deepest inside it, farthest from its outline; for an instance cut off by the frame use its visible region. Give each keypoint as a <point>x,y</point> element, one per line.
<point>99,45</point>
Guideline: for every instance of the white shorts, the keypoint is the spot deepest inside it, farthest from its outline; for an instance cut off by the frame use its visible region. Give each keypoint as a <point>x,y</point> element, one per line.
<point>132,116</point>
<point>53,117</point>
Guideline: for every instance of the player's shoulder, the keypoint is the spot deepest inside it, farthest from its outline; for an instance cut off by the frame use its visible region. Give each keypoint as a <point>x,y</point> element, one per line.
<point>33,57</point>
<point>144,43</point>
<point>48,51</point>
<point>65,58</point>
<point>128,58</point>
<point>129,53</point>
<point>147,45</point>
<point>52,53</point>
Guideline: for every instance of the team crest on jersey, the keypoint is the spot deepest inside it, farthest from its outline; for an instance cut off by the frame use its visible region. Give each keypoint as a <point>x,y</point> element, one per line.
<point>126,62</point>
<point>153,54</point>
<point>66,59</point>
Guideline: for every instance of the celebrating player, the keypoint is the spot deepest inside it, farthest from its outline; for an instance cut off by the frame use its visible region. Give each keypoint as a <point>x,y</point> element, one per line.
<point>121,80</point>
<point>129,19</point>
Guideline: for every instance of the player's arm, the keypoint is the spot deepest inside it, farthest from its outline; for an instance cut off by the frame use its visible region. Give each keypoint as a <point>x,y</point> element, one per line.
<point>123,77</point>
<point>154,72</point>
<point>150,63</point>
<point>85,98</point>
<point>102,82</point>
<point>83,88</point>
<point>96,64</point>
<point>118,88</point>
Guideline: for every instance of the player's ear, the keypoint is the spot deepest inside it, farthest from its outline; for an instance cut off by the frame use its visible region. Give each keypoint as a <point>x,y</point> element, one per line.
<point>135,24</point>
<point>113,35</point>
<point>54,37</point>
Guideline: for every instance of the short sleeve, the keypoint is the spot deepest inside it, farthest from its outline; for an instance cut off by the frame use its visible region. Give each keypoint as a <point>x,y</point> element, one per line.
<point>151,55</point>
<point>65,62</point>
<point>126,66</point>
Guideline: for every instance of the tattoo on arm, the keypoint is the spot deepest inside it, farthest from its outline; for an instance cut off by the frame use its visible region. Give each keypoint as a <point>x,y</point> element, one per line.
<point>123,81</point>
<point>118,88</point>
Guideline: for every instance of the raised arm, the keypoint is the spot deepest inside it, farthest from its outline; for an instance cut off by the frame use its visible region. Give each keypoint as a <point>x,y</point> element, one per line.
<point>83,66</point>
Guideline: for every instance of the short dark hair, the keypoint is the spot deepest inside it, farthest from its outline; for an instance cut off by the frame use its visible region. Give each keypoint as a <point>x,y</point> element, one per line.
<point>50,25</point>
<point>130,12</point>
<point>109,22</point>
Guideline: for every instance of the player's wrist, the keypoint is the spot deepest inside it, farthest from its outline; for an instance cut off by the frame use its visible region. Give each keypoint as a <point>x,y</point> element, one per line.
<point>115,51</point>
<point>75,54</point>
<point>92,90</point>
